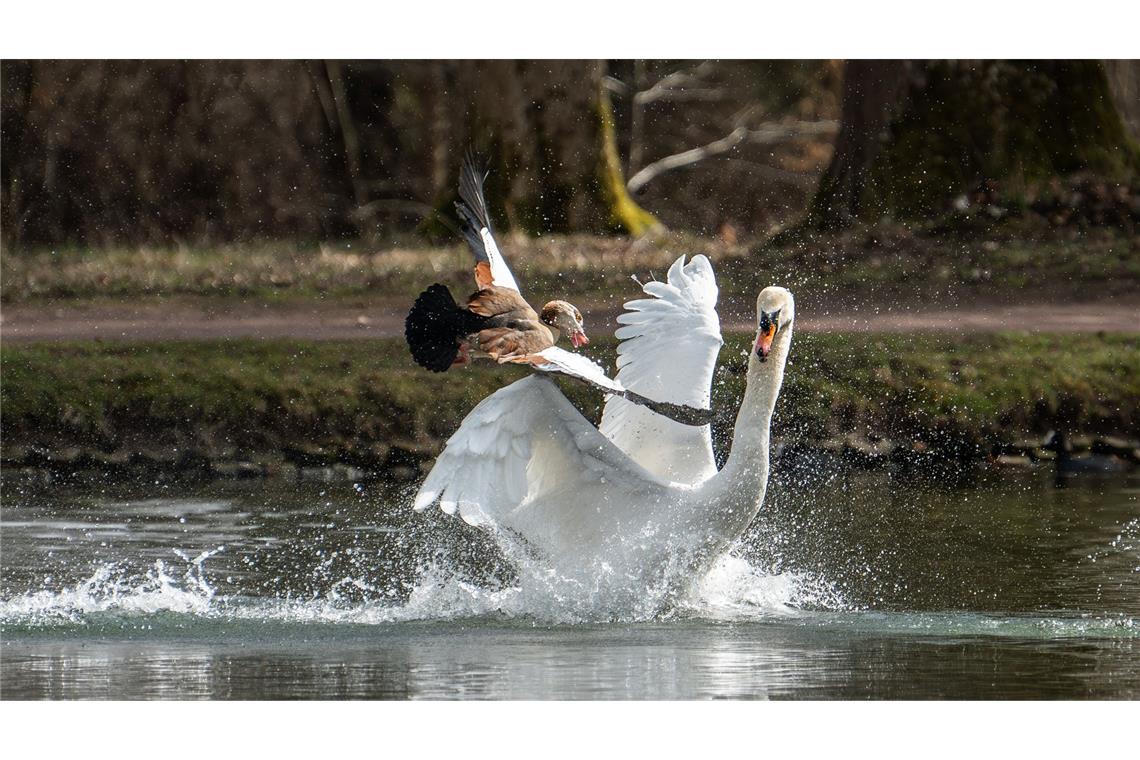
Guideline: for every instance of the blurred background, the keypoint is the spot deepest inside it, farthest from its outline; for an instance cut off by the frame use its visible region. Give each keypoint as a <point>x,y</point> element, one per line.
<point>127,153</point>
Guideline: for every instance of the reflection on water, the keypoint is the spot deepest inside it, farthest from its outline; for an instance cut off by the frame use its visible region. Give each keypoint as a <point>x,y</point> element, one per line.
<point>849,586</point>
<point>687,659</point>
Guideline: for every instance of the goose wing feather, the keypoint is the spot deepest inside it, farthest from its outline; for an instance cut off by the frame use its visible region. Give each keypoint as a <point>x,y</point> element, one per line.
<point>579,366</point>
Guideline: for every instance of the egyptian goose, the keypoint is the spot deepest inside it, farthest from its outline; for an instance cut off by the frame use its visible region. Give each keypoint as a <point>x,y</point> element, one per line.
<point>496,322</point>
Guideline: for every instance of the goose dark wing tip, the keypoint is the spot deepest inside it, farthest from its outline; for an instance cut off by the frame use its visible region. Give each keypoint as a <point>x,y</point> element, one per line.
<point>471,192</point>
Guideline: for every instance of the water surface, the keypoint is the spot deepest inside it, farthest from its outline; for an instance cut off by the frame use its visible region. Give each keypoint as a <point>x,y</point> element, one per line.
<point>847,586</point>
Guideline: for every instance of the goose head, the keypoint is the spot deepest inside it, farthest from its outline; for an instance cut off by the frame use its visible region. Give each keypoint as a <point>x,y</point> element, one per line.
<point>567,320</point>
<point>775,312</point>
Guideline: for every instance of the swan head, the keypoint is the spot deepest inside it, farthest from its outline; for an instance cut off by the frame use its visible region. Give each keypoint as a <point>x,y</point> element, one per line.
<point>775,312</point>
<point>567,320</point>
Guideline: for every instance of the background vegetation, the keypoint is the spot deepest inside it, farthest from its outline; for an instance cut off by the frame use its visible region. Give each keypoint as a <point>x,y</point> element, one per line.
<point>946,398</point>
<point>127,153</point>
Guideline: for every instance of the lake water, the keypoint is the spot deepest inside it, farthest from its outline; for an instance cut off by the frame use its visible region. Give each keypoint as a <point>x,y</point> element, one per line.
<point>847,586</point>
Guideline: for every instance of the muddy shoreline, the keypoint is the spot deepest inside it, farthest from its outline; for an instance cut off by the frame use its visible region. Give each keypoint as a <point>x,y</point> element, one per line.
<point>1087,455</point>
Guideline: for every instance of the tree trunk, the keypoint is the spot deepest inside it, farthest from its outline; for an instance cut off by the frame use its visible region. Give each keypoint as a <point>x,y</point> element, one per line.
<point>17,83</point>
<point>439,129</point>
<point>1124,83</point>
<point>349,135</point>
<point>915,136</point>
<point>872,91</point>
<point>545,130</point>
<point>623,209</point>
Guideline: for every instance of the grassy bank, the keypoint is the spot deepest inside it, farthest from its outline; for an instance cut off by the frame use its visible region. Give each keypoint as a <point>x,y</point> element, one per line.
<point>888,264</point>
<point>365,403</point>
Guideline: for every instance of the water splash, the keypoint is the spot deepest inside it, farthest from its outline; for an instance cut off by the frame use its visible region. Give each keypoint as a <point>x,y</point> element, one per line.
<point>733,590</point>
<point>429,570</point>
<point>116,592</point>
<point>115,588</point>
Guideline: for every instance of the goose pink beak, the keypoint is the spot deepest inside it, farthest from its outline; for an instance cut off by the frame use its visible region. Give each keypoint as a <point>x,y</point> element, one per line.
<point>579,339</point>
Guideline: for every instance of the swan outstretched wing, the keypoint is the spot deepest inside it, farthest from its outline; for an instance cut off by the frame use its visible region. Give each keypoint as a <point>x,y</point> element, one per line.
<point>525,458</point>
<point>669,347</point>
<point>490,266</point>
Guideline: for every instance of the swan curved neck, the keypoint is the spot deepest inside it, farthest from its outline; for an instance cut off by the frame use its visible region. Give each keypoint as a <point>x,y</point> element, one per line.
<point>746,472</point>
<point>754,419</point>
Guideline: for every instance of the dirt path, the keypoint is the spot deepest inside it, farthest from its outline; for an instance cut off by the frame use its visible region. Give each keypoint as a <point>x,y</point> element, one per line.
<point>197,321</point>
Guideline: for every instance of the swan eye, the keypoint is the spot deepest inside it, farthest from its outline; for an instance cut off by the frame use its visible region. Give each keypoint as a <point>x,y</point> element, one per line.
<point>769,324</point>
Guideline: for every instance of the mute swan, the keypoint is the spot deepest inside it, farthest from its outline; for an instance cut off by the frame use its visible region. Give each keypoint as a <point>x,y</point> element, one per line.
<point>638,500</point>
<point>496,321</point>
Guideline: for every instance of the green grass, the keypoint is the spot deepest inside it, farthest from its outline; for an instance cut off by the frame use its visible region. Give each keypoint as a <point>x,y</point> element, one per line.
<point>360,400</point>
<point>961,391</point>
<point>286,271</point>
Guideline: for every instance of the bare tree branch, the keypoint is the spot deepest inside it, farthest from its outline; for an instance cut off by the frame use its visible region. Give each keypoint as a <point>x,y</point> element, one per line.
<point>677,160</point>
<point>681,95</point>
<point>766,134</point>
<point>320,84</point>
<point>673,86</point>
<point>615,85</point>
<point>670,87</point>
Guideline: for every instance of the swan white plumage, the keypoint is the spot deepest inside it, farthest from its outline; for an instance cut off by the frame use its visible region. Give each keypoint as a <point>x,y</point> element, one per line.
<point>639,500</point>
<point>668,351</point>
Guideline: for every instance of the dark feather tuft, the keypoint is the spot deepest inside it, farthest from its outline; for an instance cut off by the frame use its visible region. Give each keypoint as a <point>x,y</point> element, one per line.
<point>434,327</point>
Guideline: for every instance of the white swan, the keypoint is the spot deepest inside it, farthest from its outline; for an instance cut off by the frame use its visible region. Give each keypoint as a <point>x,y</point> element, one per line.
<point>639,500</point>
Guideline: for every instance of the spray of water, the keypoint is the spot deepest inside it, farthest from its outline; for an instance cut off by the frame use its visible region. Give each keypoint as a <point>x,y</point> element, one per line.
<point>443,590</point>
<point>115,589</point>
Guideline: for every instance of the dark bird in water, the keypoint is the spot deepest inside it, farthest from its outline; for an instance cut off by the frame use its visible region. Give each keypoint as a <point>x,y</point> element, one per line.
<point>496,322</point>
<point>1069,464</point>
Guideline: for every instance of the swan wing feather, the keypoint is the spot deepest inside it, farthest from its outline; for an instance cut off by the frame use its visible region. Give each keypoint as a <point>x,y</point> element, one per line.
<point>525,450</point>
<point>670,342</point>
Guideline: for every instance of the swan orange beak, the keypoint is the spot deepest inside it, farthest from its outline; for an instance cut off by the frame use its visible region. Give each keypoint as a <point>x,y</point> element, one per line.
<point>764,341</point>
<point>579,339</point>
